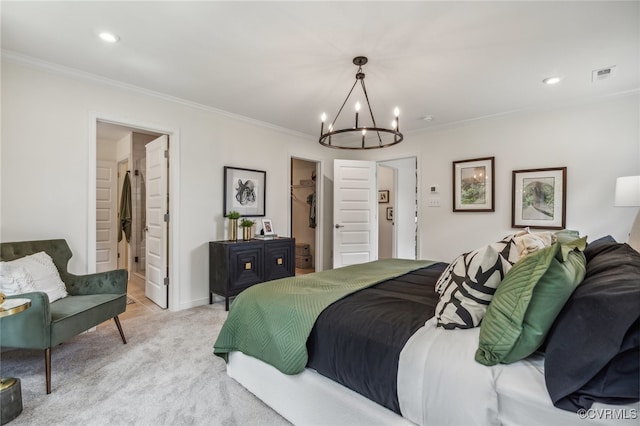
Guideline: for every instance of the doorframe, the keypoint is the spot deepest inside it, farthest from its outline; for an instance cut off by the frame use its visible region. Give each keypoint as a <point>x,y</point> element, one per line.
<point>174,188</point>
<point>319,243</point>
<point>418,158</point>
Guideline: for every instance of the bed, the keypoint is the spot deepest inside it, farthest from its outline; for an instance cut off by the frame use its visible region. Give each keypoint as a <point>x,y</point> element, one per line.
<point>376,351</point>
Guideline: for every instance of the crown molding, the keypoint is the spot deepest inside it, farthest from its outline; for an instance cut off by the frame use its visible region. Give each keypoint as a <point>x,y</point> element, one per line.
<point>18,58</point>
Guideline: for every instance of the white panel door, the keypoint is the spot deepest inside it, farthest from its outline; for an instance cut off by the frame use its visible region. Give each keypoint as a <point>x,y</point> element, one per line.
<point>106,216</point>
<point>355,212</point>
<point>156,236</point>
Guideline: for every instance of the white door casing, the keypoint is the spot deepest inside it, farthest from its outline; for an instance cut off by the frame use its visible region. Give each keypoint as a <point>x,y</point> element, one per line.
<point>156,234</point>
<point>355,212</point>
<point>106,215</point>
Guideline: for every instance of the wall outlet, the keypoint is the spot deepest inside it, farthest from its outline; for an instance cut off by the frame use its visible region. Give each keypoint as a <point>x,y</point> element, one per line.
<point>434,202</point>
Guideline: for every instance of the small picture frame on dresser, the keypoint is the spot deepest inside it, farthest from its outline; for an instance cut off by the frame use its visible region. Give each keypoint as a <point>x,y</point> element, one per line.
<point>267,227</point>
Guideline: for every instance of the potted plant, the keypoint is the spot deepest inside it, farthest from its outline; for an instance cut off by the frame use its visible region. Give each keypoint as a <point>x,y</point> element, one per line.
<point>247,227</point>
<point>233,225</point>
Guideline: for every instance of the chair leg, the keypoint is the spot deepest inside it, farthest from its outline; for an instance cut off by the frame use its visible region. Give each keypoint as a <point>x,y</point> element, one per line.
<point>47,368</point>
<point>117,320</point>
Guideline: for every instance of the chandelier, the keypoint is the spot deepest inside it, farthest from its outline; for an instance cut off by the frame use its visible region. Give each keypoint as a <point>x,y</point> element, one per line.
<point>360,136</point>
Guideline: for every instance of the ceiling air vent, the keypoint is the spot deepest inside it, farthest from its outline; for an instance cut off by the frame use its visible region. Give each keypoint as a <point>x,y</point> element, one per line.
<point>602,74</point>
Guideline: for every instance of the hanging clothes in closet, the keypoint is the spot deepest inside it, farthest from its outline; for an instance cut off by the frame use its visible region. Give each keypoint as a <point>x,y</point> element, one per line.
<point>124,225</point>
<point>311,200</point>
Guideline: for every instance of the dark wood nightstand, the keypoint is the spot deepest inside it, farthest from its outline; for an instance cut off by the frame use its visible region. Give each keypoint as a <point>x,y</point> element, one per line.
<point>237,265</point>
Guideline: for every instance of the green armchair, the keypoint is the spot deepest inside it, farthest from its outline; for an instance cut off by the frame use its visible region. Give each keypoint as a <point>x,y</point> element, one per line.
<point>92,300</point>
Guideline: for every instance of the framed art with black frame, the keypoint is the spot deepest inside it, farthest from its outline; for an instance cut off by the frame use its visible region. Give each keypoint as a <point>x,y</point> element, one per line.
<point>244,191</point>
<point>539,198</point>
<point>473,185</point>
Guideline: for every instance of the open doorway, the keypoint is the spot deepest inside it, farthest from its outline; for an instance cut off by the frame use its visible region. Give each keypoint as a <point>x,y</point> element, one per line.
<point>122,211</point>
<point>398,209</point>
<point>305,223</point>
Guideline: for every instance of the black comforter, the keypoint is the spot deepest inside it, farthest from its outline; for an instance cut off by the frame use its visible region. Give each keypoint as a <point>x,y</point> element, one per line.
<point>593,348</point>
<point>357,340</point>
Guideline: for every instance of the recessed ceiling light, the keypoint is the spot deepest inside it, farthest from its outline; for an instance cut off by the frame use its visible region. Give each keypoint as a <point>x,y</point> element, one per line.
<point>109,37</point>
<point>551,80</point>
<point>427,118</point>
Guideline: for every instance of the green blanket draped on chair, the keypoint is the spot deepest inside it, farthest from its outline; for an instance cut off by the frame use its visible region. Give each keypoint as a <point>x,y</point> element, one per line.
<point>272,321</point>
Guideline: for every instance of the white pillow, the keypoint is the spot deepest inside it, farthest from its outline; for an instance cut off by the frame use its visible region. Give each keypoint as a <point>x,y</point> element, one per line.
<point>15,279</point>
<point>35,272</point>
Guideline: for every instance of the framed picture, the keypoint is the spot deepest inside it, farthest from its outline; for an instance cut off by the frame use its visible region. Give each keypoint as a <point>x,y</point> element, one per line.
<point>389,213</point>
<point>383,196</point>
<point>244,191</point>
<point>539,198</point>
<point>267,227</point>
<point>473,185</point>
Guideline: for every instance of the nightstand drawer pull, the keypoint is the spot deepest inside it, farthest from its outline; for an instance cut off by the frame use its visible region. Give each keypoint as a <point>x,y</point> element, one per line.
<point>279,261</point>
<point>247,265</point>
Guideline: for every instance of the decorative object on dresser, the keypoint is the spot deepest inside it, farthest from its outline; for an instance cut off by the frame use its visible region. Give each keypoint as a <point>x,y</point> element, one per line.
<point>247,228</point>
<point>235,266</point>
<point>233,225</point>
<point>473,185</point>
<point>244,191</point>
<point>539,198</point>
<point>267,227</point>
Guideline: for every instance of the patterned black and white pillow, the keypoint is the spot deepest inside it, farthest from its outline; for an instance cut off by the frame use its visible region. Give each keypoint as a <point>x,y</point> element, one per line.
<point>468,284</point>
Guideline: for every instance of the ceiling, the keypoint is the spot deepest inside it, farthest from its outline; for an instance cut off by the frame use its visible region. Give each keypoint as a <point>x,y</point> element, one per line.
<point>285,63</point>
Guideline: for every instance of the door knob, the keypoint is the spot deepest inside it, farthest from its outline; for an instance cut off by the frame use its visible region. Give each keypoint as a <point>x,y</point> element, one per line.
<point>339,226</point>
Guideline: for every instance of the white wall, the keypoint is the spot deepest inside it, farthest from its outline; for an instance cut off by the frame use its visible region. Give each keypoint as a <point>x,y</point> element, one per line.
<point>597,142</point>
<point>45,157</point>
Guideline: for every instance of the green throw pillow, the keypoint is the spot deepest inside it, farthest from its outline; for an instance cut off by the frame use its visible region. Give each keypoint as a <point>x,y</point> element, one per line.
<point>528,301</point>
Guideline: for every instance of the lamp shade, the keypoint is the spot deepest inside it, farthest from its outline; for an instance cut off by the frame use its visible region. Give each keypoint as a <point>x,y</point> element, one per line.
<point>627,191</point>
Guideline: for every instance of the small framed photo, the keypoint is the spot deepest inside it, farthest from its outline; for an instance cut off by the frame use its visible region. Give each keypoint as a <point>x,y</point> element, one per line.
<point>539,198</point>
<point>383,196</point>
<point>244,191</point>
<point>473,185</point>
<point>389,213</point>
<point>267,227</point>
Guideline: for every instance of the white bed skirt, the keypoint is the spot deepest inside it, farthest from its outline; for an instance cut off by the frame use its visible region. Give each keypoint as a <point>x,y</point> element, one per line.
<point>308,398</point>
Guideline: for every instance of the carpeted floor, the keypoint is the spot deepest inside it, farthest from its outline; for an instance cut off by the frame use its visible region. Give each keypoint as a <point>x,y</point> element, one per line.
<point>165,375</point>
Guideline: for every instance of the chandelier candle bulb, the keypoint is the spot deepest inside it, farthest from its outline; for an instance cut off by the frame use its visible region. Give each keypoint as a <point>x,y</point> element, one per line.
<point>396,112</point>
<point>322,118</point>
<point>357,113</point>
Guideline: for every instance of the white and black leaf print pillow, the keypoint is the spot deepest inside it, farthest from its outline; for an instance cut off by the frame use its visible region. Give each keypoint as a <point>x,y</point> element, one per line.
<point>468,284</point>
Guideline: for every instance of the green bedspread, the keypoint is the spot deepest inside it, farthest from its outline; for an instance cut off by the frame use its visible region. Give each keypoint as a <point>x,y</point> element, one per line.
<point>272,321</point>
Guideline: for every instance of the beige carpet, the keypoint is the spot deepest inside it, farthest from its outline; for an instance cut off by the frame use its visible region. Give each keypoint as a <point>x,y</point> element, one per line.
<point>165,375</point>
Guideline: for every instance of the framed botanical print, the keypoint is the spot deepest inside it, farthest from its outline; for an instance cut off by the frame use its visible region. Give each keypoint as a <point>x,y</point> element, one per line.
<point>244,191</point>
<point>539,198</point>
<point>473,185</point>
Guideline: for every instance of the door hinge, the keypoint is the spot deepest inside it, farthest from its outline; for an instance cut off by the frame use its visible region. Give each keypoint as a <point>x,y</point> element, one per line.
<point>166,217</point>
<point>166,281</point>
<point>166,154</point>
